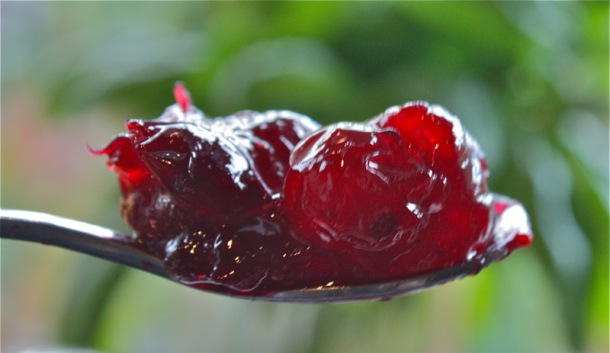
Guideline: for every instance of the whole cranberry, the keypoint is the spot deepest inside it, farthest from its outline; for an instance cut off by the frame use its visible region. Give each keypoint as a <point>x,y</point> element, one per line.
<point>403,191</point>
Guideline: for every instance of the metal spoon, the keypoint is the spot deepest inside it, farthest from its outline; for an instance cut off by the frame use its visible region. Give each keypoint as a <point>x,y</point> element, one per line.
<point>110,245</point>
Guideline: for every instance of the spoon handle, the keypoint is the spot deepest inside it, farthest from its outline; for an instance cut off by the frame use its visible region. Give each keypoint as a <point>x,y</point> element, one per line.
<point>77,236</point>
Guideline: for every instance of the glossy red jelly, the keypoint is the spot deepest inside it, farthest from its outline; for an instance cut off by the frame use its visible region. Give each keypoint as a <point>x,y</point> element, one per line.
<point>257,203</point>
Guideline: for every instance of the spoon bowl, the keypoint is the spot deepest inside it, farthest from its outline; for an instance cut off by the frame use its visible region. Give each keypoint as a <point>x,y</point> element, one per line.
<point>120,248</point>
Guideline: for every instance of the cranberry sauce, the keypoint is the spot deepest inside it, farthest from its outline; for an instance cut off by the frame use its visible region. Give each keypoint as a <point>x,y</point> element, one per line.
<point>256,203</point>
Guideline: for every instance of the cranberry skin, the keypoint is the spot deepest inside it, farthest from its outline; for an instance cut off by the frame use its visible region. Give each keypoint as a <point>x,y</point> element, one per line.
<point>271,138</point>
<point>220,167</point>
<point>250,256</point>
<point>339,190</point>
<point>437,138</point>
<point>144,204</point>
<point>399,202</point>
<point>200,168</point>
<point>236,256</point>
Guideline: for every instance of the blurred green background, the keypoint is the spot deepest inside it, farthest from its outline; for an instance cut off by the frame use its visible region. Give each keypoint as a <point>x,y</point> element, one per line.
<point>528,79</point>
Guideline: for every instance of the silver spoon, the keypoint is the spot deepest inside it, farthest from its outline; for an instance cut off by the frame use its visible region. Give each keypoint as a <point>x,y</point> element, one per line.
<point>116,247</point>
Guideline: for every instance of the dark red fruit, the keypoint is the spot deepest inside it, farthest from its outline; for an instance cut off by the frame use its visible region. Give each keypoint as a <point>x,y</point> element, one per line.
<point>257,203</point>
<point>403,193</point>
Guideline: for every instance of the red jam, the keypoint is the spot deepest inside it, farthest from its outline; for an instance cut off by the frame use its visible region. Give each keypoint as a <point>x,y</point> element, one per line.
<point>256,203</point>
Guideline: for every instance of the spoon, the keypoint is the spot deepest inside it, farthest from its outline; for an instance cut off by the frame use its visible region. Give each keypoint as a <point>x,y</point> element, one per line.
<point>120,248</point>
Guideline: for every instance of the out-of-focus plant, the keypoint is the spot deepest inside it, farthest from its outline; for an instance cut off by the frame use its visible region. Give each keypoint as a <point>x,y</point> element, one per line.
<point>529,80</point>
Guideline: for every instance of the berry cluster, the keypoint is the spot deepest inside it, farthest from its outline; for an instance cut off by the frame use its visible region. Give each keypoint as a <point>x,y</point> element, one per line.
<point>261,202</point>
